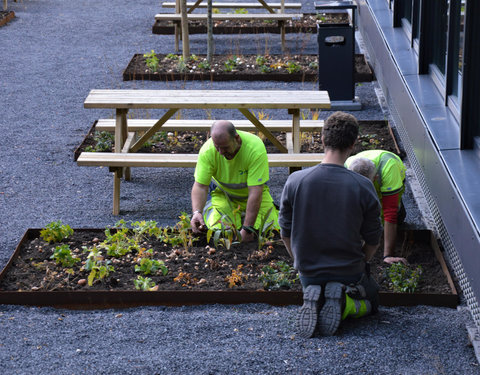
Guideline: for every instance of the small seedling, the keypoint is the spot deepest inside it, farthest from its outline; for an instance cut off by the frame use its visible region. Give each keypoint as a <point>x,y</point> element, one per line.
<point>403,278</point>
<point>151,266</point>
<point>63,255</point>
<point>172,56</point>
<point>56,232</point>
<point>278,275</point>
<point>145,284</point>
<point>293,67</point>
<point>231,64</point>
<point>151,61</point>
<point>99,267</point>
<point>205,65</point>
<point>119,243</point>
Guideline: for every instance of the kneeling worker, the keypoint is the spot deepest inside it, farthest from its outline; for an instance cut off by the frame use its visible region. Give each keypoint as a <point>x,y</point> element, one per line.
<point>387,172</point>
<point>236,163</point>
<point>330,224</point>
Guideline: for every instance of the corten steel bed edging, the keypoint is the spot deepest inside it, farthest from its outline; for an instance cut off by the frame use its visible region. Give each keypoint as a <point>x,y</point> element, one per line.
<point>89,300</point>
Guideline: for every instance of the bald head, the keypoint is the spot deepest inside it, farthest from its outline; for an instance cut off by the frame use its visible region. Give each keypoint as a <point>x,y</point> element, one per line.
<point>223,130</point>
<point>225,138</point>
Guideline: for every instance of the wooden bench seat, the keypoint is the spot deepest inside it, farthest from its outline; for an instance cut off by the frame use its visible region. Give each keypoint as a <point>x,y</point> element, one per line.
<point>232,5</point>
<point>119,160</point>
<point>224,17</point>
<point>140,125</point>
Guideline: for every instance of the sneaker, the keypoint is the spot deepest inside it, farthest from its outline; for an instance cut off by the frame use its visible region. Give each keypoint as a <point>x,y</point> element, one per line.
<point>307,316</point>
<point>331,314</point>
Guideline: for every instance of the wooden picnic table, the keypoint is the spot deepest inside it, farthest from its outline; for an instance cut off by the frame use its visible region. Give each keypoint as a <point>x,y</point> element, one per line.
<point>173,100</point>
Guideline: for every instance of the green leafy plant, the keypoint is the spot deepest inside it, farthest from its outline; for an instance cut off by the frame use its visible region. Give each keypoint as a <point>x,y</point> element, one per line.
<point>403,278</point>
<point>151,60</point>
<point>227,235</point>
<point>261,60</point>
<point>293,67</point>
<point>313,65</point>
<point>142,283</point>
<point>98,266</point>
<point>119,243</point>
<point>181,65</point>
<point>104,141</point>
<point>143,229</point>
<point>205,65</point>
<point>265,69</point>
<point>149,266</point>
<point>172,56</point>
<point>230,64</point>
<point>194,58</point>
<point>240,11</point>
<point>278,275</point>
<point>56,232</point>
<point>63,255</point>
<point>266,230</point>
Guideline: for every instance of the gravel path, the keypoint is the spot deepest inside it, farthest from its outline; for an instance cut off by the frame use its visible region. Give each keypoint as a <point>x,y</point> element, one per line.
<point>53,53</point>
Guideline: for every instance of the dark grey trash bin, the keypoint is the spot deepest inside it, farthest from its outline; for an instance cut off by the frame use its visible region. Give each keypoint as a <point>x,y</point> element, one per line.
<point>336,51</point>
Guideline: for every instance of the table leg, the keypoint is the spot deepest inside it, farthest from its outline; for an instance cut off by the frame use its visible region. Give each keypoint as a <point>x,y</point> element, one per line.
<point>296,137</point>
<point>116,192</point>
<point>121,133</point>
<point>281,24</point>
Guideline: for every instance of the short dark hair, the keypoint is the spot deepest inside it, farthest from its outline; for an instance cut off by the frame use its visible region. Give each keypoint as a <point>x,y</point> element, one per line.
<point>340,131</point>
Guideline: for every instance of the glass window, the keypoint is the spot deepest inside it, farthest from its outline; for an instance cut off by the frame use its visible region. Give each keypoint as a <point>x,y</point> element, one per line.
<point>457,49</point>
<point>438,33</point>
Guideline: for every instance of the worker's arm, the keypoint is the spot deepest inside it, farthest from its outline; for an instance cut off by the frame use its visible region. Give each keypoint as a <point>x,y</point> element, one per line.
<point>253,206</point>
<point>199,198</point>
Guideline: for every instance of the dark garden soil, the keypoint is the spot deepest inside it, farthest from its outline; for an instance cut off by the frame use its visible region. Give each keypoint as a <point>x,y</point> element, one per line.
<point>373,135</point>
<point>199,267</point>
<point>6,16</point>
<point>306,24</point>
<point>288,68</point>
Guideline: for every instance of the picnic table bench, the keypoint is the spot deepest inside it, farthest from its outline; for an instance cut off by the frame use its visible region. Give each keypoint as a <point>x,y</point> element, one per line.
<point>176,18</point>
<point>127,143</point>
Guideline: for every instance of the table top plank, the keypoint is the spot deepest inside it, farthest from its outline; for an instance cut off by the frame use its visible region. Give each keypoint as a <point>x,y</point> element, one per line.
<point>205,99</point>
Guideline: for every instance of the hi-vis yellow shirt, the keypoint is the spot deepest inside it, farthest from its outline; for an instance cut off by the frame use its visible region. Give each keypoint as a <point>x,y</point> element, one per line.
<point>249,167</point>
<point>390,170</point>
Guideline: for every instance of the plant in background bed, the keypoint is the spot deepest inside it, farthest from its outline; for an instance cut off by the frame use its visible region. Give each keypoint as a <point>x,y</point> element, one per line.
<point>104,141</point>
<point>278,275</point>
<point>151,60</point>
<point>403,278</point>
<point>63,255</point>
<point>293,67</point>
<point>231,64</point>
<point>56,232</point>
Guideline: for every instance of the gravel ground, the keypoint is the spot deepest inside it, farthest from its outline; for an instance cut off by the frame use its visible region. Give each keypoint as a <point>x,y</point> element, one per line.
<point>53,53</point>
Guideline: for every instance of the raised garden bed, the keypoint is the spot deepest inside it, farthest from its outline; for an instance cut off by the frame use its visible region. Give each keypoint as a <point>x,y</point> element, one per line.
<point>197,274</point>
<point>307,24</point>
<point>6,16</point>
<point>373,135</point>
<point>295,68</point>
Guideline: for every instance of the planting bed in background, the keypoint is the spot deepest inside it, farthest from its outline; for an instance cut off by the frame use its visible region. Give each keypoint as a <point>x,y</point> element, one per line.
<point>192,274</point>
<point>294,68</point>
<point>307,24</point>
<point>373,135</point>
<point>6,16</point>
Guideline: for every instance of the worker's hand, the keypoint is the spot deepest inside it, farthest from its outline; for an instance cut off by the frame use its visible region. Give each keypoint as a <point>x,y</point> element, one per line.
<point>197,223</point>
<point>247,236</point>
<point>392,260</point>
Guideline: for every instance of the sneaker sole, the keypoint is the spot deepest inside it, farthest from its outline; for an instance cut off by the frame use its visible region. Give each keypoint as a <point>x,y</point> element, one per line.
<point>308,314</point>
<point>331,313</point>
